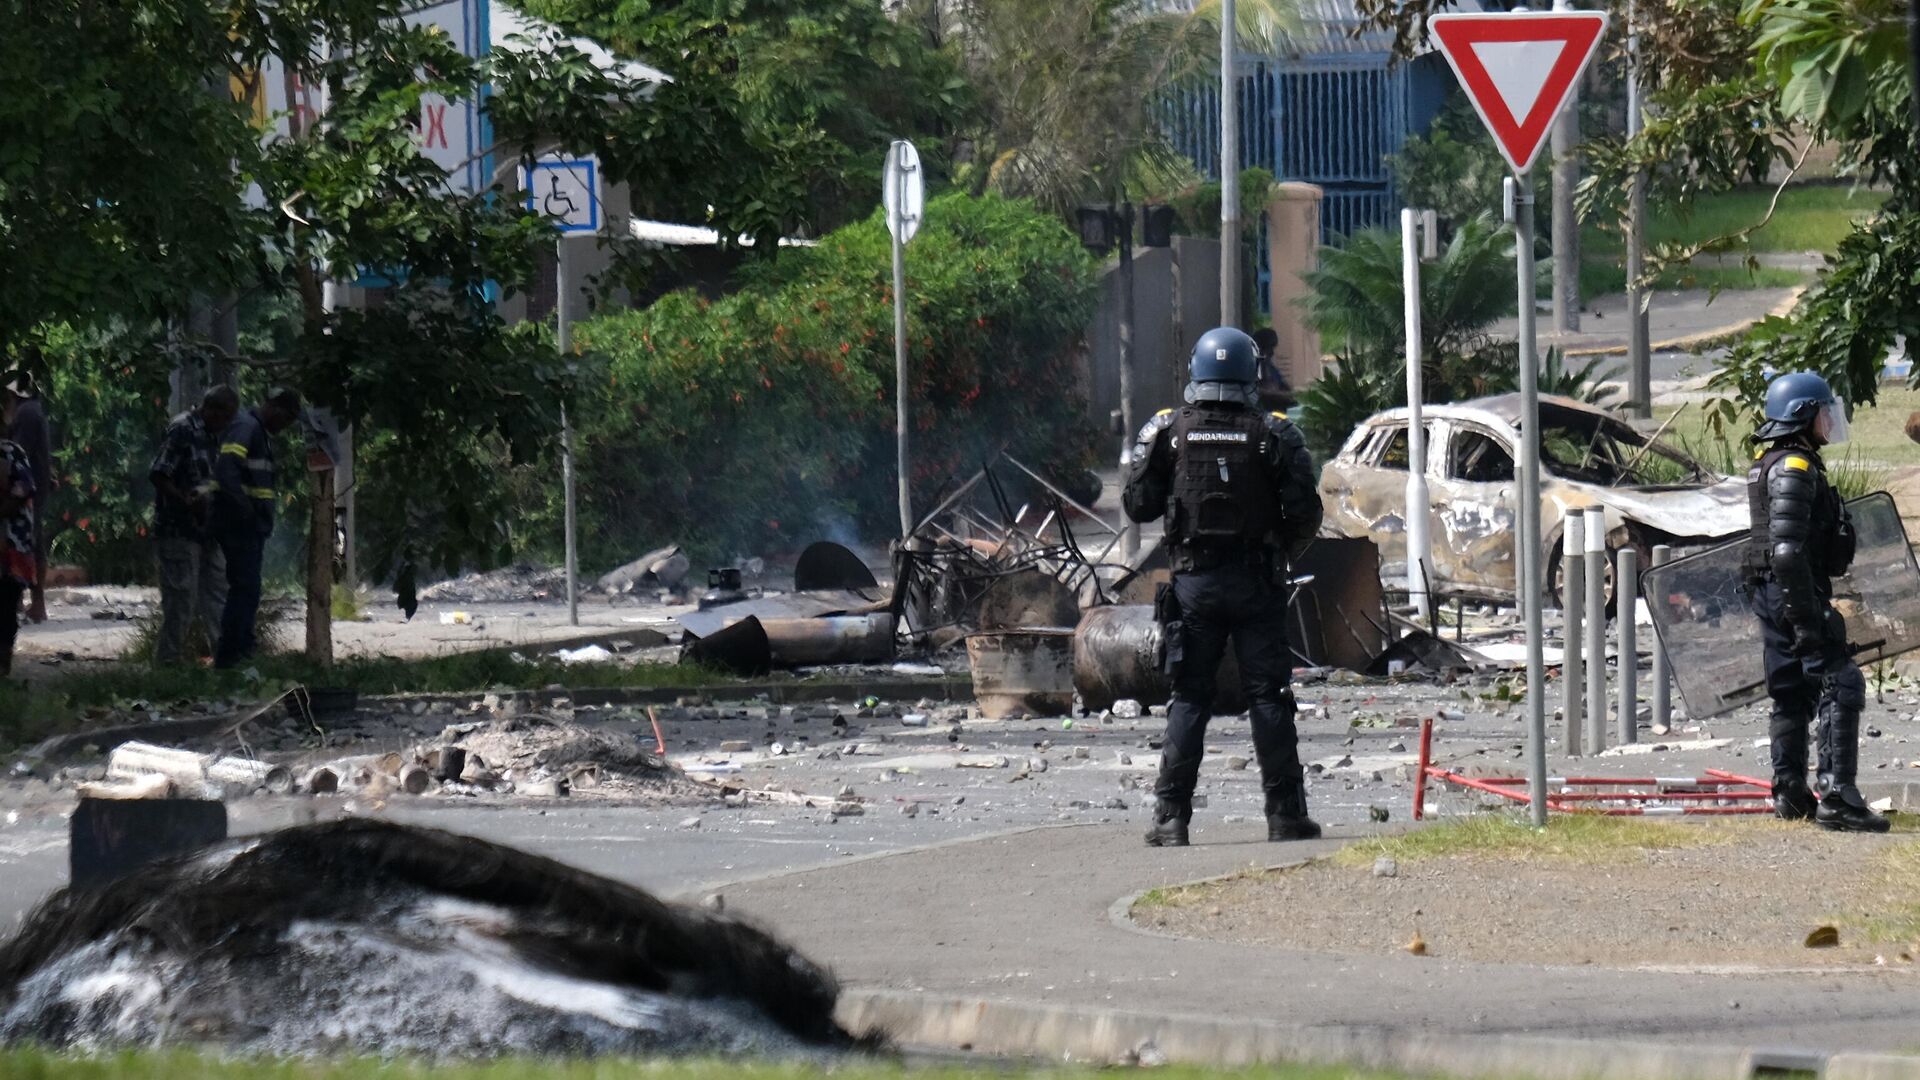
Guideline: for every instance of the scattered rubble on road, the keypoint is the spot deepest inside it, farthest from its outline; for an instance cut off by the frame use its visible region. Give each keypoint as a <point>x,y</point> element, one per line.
<point>520,583</point>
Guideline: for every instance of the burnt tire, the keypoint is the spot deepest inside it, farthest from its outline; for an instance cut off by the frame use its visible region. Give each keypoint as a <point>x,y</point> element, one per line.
<point>1554,582</point>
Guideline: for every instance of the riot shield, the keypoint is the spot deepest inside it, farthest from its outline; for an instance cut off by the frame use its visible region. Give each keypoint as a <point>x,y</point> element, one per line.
<point>1699,608</point>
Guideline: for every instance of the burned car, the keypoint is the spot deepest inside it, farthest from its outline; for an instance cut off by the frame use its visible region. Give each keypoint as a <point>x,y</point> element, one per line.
<point>1650,492</point>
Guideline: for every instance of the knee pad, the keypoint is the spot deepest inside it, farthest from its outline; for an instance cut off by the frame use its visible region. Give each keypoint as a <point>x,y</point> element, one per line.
<point>1787,720</point>
<point>1847,688</point>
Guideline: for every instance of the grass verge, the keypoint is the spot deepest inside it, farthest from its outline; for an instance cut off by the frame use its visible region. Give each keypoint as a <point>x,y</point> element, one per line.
<point>1601,277</point>
<point>1811,217</point>
<point>1585,837</point>
<point>38,1065</point>
<point>1878,439</point>
<point>1899,871</point>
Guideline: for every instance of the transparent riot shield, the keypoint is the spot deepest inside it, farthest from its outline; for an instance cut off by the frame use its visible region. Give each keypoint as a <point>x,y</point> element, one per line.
<point>1699,609</point>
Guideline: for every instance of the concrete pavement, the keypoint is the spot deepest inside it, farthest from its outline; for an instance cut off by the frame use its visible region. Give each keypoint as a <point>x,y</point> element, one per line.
<point>1028,917</point>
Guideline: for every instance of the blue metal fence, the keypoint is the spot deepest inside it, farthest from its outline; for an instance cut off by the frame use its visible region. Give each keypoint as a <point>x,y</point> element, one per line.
<point>1329,117</point>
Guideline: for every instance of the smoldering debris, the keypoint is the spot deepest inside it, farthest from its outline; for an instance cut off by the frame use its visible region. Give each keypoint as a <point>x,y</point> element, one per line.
<point>539,755</point>
<point>490,749</point>
<point>665,568</point>
<point>836,615</point>
<point>368,937</point>
<point>518,584</point>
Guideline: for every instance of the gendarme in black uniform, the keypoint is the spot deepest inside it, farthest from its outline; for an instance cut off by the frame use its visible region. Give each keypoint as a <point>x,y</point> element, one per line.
<point>1236,486</point>
<point>1799,540</point>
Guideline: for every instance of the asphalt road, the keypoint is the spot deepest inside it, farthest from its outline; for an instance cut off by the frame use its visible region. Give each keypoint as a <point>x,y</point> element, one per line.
<point>1000,884</point>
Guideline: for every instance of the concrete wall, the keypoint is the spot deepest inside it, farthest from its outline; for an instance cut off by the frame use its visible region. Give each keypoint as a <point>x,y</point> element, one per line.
<point>1293,249</point>
<point>1163,334</point>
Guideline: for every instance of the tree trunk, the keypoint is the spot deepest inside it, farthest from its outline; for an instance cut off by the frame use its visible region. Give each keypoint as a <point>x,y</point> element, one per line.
<point>320,570</point>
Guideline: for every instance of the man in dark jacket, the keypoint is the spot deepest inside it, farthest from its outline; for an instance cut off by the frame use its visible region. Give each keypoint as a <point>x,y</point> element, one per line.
<point>1800,539</point>
<point>243,515</point>
<point>193,574</point>
<point>1236,486</point>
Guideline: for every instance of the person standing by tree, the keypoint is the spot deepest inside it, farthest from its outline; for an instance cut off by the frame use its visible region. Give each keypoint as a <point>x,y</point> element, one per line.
<point>243,515</point>
<point>26,427</point>
<point>193,573</point>
<point>19,561</point>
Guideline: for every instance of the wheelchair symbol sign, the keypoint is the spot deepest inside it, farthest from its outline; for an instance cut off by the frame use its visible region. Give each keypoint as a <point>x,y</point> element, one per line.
<point>566,191</point>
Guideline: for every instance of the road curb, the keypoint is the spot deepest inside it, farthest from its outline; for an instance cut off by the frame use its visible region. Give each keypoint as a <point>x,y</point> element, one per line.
<point>1090,1034</point>
<point>1871,1067</point>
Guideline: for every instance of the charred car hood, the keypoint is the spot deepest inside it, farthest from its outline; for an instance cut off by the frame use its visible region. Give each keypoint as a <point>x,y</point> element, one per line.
<point>1717,510</point>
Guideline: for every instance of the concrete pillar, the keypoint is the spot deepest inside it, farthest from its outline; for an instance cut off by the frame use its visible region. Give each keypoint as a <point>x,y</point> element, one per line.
<point>1293,249</point>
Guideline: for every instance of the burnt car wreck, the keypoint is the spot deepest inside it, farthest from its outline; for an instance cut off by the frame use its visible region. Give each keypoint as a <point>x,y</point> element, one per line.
<point>1649,492</point>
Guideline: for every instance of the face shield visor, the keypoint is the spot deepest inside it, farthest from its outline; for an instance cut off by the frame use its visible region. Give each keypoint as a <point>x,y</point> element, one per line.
<point>1830,424</point>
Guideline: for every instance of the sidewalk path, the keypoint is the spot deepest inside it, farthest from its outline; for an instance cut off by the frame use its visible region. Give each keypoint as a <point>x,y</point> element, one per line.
<point>1026,917</point>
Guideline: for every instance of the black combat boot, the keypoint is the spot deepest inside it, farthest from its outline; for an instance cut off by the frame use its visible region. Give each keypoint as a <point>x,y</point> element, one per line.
<point>1842,808</point>
<point>1276,746</point>
<point>1287,814</point>
<point>1793,800</point>
<point>1170,820</point>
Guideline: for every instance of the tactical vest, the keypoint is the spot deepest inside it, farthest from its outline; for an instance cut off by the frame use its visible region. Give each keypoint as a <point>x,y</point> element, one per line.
<point>1831,534</point>
<point>1223,496</point>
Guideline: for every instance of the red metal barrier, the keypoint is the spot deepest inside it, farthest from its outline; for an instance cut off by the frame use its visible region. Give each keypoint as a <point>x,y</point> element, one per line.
<point>1717,793</point>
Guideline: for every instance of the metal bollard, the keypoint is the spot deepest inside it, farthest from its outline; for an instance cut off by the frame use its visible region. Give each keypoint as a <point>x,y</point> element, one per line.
<point>1596,631</point>
<point>1662,678</point>
<point>1573,542</point>
<point>1626,590</point>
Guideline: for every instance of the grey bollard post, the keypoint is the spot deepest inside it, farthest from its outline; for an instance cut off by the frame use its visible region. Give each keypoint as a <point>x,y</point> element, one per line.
<point>1662,678</point>
<point>1626,588</point>
<point>1596,631</point>
<point>1573,544</point>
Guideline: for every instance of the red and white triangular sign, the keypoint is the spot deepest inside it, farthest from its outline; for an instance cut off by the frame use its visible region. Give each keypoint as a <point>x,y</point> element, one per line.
<point>1518,68</point>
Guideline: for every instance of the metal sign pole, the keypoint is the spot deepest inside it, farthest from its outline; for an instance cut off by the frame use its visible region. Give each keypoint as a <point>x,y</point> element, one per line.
<point>1520,201</point>
<point>563,333</point>
<point>1419,554</point>
<point>1229,172</point>
<point>900,347</point>
<point>1639,354</point>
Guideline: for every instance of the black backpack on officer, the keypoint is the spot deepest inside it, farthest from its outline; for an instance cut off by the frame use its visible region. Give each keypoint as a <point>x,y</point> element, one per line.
<point>1223,494</point>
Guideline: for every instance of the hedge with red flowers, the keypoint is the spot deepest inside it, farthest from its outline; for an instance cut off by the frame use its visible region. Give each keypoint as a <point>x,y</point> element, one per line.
<point>765,419</point>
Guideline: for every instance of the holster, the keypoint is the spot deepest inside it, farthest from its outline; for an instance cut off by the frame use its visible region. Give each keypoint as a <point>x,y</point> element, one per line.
<point>1840,551</point>
<point>1166,612</point>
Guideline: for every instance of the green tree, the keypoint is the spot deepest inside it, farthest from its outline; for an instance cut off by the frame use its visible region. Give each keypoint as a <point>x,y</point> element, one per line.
<point>763,420</point>
<point>117,193</point>
<point>339,197</point>
<point>1835,73</point>
<point>1070,91</point>
<point>779,112</point>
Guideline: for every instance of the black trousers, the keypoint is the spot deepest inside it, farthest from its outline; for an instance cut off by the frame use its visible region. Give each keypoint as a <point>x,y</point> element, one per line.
<point>243,547</point>
<point>10,593</point>
<point>1237,605</point>
<point>1826,683</point>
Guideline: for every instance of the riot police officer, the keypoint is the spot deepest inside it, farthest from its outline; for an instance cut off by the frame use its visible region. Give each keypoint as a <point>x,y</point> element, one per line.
<point>1236,486</point>
<point>1799,539</point>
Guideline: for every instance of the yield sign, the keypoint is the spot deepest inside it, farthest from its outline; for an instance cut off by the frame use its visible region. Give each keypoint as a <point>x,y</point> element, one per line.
<point>1518,68</point>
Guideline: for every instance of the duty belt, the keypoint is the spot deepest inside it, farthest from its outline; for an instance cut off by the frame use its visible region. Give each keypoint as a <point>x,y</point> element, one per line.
<point>1199,558</point>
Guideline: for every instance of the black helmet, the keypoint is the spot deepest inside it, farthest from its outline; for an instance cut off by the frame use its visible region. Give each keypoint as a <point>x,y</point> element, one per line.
<point>1794,402</point>
<point>1224,354</point>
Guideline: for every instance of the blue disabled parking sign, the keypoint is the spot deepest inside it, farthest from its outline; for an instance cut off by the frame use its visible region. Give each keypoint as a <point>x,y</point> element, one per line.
<point>566,191</point>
